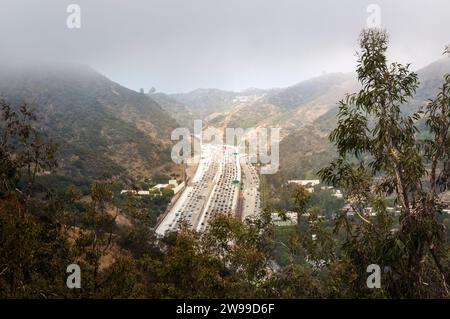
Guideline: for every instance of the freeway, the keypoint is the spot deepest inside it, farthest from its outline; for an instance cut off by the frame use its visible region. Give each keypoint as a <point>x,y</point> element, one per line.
<point>214,189</point>
<point>224,197</point>
<point>251,199</point>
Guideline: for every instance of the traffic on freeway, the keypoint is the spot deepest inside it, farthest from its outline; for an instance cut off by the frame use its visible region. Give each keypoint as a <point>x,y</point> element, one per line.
<point>216,188</point>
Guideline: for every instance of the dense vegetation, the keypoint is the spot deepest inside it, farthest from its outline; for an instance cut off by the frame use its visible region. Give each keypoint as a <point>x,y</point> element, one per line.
<point>103,129</point>
<point>380,159</point>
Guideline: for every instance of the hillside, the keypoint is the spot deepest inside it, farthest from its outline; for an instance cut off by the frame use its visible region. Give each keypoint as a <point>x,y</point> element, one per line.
<point>305,113</point>
<point>177,110</point>
<point>430,78</point>
<point>295,106</point>
<point>103,129</point>
<point>307,149</point>
<point>203,102</point>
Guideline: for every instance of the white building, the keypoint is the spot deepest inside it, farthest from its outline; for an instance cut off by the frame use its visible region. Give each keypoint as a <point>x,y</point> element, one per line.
<point>291,219</point>
<point>305,182</point>
<point>173,182</point>
<point>310,189</point>
<point>337,194</point>
<point>155,190</point>
<point>140,193</point>
<point>159,187</point>
<point>126,191</point>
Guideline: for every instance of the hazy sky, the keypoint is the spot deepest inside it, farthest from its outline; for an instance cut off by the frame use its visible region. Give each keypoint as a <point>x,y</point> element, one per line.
<point>180,45</point>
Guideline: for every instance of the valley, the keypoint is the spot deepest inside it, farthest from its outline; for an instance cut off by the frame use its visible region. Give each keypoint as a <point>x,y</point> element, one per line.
<point>212,157</point>
<point>305,113</point>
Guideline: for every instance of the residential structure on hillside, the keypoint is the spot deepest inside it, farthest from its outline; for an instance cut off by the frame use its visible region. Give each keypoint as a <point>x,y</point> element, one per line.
<point>291,219</point>
<point>157,189</point>
<point>305,182</point>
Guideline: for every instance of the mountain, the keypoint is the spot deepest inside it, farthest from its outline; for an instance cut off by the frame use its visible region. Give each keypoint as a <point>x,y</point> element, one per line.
<point>306,92</point>
<point>103,128</point>
<point>307,148</point>
<point>304,112</point>
<point>286,108</point>
<point>431,79</point>
<point>181,113</point>
<point>292,107</point>
<point>203,102</point>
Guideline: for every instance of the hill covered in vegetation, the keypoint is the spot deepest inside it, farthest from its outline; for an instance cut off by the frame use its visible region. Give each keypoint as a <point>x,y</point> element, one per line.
<point>103,129</point>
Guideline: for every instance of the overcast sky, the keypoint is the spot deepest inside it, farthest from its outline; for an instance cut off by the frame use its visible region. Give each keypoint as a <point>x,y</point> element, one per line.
<point>180,45</point>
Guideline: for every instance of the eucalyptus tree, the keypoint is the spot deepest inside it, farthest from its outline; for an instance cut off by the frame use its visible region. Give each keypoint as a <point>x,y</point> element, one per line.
<point>381,158</point>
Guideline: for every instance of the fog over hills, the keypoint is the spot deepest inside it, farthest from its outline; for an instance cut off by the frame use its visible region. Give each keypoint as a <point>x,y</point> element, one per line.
<point>181,113</point>
<point>106,129</point>
<point>430,78</point>
<point>103,128</point>
<point>206,101</point>
<point>173,149</point>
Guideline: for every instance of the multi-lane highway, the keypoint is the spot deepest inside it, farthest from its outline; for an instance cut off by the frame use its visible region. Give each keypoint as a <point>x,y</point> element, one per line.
<point>216,188</point>
<point>250,196</point>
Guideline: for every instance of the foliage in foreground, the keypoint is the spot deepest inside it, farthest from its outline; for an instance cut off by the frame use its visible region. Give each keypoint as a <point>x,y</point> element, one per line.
<point>380,158</point>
